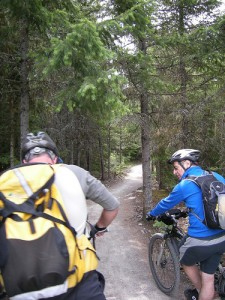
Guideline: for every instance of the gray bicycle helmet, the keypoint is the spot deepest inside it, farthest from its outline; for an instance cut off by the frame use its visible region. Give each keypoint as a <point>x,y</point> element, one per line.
<point>185,154</point>
<point>40,143</point>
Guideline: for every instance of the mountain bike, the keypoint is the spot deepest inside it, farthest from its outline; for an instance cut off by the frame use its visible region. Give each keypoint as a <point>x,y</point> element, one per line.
<point>164,255</point>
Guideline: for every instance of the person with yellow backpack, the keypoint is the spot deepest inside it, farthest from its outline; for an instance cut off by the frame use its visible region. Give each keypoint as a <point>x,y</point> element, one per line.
<point>45,252</point>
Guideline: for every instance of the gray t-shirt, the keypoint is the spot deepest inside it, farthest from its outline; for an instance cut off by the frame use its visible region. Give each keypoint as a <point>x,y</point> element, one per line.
<point>93,188</point>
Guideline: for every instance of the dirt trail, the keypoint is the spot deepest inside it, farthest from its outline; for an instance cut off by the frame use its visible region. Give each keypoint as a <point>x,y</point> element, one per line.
<point>123,250</point>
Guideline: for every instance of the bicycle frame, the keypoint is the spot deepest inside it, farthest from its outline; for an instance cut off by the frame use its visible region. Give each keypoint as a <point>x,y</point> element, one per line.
<point>175,234</point>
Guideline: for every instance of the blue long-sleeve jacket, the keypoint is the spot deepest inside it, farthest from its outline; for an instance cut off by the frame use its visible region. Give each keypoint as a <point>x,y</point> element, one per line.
<point>188,192</point>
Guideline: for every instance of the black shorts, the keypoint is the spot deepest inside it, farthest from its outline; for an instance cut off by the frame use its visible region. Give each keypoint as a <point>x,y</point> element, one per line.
<point>206,252</point>
<point>90,288</point>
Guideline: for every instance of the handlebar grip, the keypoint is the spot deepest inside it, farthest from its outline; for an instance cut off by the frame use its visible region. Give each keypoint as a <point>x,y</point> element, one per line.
<point>167,219</point>
<point>149,217</point>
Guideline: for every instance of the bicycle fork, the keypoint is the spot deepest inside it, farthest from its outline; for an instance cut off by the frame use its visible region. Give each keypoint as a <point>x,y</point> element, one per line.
<point>159,256</point>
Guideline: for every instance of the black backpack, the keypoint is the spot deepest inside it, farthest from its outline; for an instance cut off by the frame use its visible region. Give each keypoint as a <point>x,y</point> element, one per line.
<point>213,194</point>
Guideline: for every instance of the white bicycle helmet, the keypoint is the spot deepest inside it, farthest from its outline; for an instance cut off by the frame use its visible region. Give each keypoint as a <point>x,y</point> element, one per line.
<point>185,154</point>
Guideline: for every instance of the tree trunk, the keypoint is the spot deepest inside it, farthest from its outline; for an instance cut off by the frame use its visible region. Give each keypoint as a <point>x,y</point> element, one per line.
<point>145,141</point>
<point>109,151</point>
<point>24,103</point>
<point>121,142</point>
<point>183,84</point>
<point>88,159</point>
<point>12,135</point>
<point>101,157</point>
<point>72,153</point>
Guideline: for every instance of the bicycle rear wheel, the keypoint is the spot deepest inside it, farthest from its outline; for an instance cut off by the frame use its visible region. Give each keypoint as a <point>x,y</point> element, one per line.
<point>164,264</point>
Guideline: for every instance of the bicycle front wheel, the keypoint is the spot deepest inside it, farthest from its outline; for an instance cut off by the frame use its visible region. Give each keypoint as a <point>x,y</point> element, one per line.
<point>164,264</point>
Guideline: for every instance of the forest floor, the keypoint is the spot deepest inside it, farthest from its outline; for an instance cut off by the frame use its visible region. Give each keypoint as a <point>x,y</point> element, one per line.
<point>123,251</point>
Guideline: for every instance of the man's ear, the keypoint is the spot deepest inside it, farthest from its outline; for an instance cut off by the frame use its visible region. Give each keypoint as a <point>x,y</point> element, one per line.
<point>188,163</point>
<point>55,160</point>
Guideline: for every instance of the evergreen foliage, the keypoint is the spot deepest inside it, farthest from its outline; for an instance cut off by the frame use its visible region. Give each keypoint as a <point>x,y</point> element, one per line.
<point>114,81</point>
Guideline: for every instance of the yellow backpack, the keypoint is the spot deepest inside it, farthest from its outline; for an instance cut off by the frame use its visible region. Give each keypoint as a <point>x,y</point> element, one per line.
<point>41,255</point>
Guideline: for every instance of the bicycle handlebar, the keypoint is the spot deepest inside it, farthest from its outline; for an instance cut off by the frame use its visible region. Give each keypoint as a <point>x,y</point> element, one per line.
<point>170,217</point>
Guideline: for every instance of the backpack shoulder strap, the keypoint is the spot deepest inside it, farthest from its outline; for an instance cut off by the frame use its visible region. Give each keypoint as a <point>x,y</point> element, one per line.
<point>12,179</point>
<point>191,178</point>
<point>198,179</point>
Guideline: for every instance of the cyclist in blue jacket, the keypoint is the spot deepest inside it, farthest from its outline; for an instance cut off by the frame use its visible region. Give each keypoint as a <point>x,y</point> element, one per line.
<point>201,245</point>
